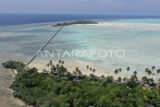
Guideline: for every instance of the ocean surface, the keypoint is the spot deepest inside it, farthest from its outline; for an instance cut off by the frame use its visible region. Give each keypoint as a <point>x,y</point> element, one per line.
<point>18,19</point>
<point>138,37</point>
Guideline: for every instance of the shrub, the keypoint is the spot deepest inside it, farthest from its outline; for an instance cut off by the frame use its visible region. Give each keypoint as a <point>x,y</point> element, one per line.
<point>13,64</point>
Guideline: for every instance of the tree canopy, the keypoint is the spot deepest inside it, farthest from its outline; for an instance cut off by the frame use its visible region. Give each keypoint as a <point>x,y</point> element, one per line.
<point>61,88</point>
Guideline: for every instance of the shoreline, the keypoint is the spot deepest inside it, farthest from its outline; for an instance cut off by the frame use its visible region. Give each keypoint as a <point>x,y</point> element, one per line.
<point>71,66</point>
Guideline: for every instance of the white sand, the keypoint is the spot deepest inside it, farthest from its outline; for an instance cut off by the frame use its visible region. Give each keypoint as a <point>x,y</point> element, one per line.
<point>72,64</point>
<point>123,25</point>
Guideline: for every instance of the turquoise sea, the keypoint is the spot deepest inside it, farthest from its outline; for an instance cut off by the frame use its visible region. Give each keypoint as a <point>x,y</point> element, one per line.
<point>138,37</point>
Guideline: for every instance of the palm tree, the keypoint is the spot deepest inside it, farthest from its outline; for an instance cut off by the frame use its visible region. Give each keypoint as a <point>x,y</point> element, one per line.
<point>78,73</point>
<point>94,70</point>
<point>153,67</point>
<point>87,66</point>
<point>90,68</point>
<point>146,71</point>
<point>77,68</point>
<point>135,75</point>
<point>135,72</point>
<point>153,74</point>
<point>116,72</point>
<point>158,72</point>
<point>50,62</point>
<point>60,61</point>
<point>120,70</point>
<point>53,68</point>
<point>119,79</point>
<point>57,65</point>
<point>128,68</point>
<point>149,72</point>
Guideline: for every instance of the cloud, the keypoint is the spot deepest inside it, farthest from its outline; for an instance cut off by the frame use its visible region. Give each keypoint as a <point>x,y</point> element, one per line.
<point>81,6</point>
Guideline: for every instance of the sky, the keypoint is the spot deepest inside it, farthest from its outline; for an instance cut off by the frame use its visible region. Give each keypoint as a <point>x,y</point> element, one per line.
<point>112,7</point>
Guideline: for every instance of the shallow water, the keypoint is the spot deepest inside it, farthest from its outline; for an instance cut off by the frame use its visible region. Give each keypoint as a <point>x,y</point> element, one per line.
<point>139,38</point>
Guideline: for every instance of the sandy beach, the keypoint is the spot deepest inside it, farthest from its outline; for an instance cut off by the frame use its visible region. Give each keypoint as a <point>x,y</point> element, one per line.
<point>71,65</point>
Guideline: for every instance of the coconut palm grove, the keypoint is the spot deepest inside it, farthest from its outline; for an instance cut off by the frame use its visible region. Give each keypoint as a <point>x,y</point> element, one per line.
<point>63,88</point>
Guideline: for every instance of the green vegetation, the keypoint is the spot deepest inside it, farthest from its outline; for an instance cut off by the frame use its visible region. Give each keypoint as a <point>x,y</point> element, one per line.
<point>60,88</point>
<point>13,64</point>
<point>75,22</point>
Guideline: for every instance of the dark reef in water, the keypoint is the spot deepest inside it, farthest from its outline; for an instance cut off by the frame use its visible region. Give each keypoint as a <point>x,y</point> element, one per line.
<point>75,22</point>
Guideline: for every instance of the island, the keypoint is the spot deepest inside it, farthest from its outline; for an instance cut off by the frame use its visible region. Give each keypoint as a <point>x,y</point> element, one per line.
<point>60,87</point>
<point>75,22</point>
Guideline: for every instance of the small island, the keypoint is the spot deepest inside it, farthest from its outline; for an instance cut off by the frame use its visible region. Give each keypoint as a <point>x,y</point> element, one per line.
<point>75,22</point>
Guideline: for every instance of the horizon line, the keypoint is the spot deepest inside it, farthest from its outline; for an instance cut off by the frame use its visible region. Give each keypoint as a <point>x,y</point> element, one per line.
<point>84,14</point>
